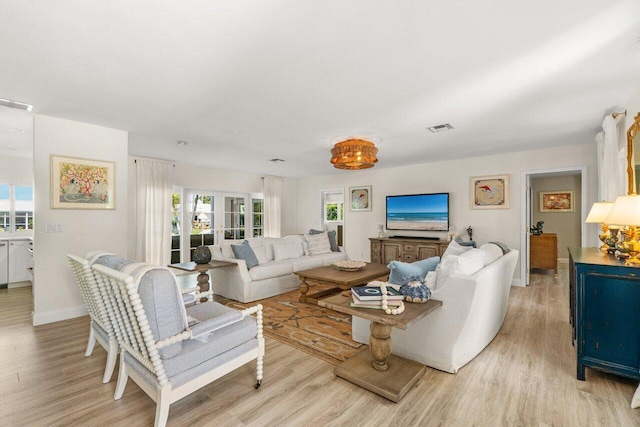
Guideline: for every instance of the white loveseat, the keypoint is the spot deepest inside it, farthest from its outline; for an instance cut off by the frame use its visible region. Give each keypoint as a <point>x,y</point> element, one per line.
<point>272,276</point>
<point>473,310</point>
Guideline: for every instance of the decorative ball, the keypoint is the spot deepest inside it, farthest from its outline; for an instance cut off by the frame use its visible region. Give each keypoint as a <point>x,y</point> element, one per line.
<point>415,291</point>
<point>202,255</point>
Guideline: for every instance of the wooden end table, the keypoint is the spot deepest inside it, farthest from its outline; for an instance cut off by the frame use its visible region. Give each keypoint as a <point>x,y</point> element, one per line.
<point>375,368</point>
<point>341,280</point>
<point>203,269</point>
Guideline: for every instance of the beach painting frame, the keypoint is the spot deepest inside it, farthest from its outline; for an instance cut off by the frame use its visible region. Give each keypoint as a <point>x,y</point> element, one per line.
<point>78,183</point>
<point>489,192</point>
<point>557,201</point>
<point>360,198</point>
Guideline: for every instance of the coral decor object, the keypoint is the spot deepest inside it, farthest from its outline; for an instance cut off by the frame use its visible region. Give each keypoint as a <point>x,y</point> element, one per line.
<point>415,290</point>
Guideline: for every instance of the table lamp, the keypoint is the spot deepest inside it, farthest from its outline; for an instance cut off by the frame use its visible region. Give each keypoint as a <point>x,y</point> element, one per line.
<point>626,212</point>
<point>598,215</point>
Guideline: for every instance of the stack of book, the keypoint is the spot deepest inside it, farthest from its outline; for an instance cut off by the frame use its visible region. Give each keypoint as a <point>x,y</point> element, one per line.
<point>371,297</point>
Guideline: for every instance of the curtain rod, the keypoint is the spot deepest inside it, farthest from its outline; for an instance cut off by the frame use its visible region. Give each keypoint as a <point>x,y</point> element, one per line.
<point>155,160</point>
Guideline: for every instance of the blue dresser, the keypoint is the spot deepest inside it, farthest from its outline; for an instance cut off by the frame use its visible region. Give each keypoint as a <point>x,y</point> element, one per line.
<point>605,313</point>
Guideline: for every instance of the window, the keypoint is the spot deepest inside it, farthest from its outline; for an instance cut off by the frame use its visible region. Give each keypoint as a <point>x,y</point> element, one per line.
<point>333,206</point>
<point>258,217</point>
<point>234,217</point>
<point>16,207</point>
<point>201,213</point>
<point>175,227</point>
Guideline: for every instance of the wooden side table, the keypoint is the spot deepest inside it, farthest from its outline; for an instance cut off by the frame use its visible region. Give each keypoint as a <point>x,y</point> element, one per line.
<point>375,368</point>
<point>203,269</point>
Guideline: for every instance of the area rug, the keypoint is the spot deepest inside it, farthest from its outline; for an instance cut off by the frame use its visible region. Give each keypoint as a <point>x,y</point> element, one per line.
<point>316,330</point>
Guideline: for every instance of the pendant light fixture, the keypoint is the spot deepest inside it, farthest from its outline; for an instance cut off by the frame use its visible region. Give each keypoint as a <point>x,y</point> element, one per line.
<point>354,154</point>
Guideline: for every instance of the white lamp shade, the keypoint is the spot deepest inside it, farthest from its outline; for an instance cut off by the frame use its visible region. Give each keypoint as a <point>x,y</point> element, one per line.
<point>625,211</point>
<point>599,212</point>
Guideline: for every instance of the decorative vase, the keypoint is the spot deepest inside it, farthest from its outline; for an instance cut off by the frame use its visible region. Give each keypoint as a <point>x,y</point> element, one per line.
<point>202,255</point>
<point>415,291</point>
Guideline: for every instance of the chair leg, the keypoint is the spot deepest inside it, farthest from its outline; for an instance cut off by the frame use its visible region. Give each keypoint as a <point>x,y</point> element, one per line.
<point>112,356</point>
<point>162,407</point>
<point>258,372</point>
<point>122,378</point>
<point>92,341</point>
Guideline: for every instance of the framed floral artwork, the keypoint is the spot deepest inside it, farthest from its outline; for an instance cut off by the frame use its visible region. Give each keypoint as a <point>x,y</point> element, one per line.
<point>82,183</point>
<point>490,192</point>
<point>360,198</point>
<point>556,201</point>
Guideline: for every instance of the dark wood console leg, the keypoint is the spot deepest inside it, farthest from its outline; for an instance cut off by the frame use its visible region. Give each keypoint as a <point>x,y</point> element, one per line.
<point>580,374</point>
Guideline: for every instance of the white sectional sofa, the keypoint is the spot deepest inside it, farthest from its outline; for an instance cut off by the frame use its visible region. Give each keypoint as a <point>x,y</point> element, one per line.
<point>273,276</point>
<point>473,310</point>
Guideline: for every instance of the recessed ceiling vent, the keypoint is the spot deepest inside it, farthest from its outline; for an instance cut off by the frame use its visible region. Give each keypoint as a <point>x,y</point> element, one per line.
<point>15,104</point>
<point>276,160</point>
<point>441,128</point>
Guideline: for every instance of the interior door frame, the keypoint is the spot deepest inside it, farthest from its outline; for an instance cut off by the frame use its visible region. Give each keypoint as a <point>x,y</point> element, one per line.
<point>527,206</point>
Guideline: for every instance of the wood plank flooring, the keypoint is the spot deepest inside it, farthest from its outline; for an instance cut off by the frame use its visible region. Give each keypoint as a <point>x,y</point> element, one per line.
<point>525,377</point>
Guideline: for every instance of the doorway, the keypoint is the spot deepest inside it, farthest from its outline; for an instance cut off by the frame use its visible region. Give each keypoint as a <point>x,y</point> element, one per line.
<point>333,212</point>
<point>569,225</point>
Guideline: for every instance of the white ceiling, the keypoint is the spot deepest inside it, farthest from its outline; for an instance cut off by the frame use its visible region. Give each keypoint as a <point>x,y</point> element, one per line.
<point>247,81</point>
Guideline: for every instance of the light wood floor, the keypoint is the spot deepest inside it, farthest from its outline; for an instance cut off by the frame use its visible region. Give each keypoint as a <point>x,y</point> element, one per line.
<point>525,377</point>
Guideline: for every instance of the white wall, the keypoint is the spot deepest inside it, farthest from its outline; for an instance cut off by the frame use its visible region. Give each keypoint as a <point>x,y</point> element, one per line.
<point>56,294</point>
<point>449,176</point>
<point>201,178</point>
<point>19,171</point>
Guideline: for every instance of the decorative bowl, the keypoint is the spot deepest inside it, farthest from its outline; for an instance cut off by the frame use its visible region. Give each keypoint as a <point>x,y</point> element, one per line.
<point>349,265</point>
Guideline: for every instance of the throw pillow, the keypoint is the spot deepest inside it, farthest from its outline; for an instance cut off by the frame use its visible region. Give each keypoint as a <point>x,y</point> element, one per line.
<point>467,263</point>
<point>244,251</point>
<point>455,248</point>
<point>333,242</point>
<point>402,271</point>
<point>286,251</point>
<point>318,243</point>
<point>430,280</point>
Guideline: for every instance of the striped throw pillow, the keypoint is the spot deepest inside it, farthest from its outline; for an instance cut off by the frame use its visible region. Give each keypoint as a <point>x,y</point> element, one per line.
<point>318,243</point>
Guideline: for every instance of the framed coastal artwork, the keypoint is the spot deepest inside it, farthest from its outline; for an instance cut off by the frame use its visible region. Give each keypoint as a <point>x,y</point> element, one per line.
<point>360,198</point>
<point>490,192</point>
<point>82,183</point>
<point>556,201</point>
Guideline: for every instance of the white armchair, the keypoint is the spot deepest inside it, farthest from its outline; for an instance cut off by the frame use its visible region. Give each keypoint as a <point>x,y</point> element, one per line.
<point>170,351</point>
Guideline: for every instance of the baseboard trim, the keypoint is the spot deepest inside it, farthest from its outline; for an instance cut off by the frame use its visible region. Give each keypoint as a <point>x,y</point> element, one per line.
<point>563,260</point>
<point>19,284</point>
<point>517,282</point>
<point>58,315</point>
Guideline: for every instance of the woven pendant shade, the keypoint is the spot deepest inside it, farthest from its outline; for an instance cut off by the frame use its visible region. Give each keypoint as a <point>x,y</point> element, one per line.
<point>354,154</point>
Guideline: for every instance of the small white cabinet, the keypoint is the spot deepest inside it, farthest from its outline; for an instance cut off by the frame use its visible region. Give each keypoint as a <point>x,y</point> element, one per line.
<point>19,260</point>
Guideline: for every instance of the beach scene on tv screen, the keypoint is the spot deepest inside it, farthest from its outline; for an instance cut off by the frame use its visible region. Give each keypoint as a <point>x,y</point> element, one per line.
<point>426,212</point>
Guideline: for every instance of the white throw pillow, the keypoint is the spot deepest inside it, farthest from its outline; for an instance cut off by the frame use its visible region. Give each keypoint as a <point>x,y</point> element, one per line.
<point>490,252</point>
<point>318,243</point>
<point>444,269</point>
<point>226,250</point>
<point>261,254</point>
<point>470,262</point>
<point>430,279</point>
<point>456,248</point>
<point>286,250</point>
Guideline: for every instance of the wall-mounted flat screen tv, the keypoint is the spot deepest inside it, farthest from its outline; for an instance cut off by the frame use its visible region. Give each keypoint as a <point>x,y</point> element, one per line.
<point>418,212</point>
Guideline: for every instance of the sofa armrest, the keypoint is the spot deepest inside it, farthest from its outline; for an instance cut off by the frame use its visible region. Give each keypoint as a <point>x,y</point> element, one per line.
<point>241,269</point>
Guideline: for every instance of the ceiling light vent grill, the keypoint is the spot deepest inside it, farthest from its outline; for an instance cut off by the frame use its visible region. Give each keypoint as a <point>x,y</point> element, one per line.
<point>441,128</point>
<point>15,104</point>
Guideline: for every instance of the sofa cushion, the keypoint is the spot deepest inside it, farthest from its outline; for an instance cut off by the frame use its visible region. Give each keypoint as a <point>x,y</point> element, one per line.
<point>330,257</point>
<point>490,253</point>
<point>244,251</point>
<point>402,271</point>
<point>318,243</point>
<point>261,254</point>
<point>306,262</point>
<point>271,269</point>
<point>333,242</point>
<point>298,239</point>
<point>287,250</point>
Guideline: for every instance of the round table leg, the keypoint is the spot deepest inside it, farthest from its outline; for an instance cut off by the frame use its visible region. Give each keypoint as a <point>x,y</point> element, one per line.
<point>203,283</point>
<point>380,345</point>
<point>304,288</point>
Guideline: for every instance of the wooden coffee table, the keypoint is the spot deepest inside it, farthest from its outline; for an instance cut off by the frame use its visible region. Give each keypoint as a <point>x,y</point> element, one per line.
<point>375,368</point>
<point>341,280</point>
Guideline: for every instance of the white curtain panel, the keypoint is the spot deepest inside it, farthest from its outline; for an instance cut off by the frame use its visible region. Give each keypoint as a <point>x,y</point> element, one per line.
<point>272,192</point>
<point>153,211</point>
<point>612,161</point>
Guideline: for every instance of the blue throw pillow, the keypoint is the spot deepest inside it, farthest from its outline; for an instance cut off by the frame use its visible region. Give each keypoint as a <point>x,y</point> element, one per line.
<point>401,272</point>
<point>244,251</point>
<point>332,238</point>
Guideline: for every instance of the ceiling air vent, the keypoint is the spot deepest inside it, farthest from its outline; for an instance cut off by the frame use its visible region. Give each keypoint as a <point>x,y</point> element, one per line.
<point>15,104</point>
<point>276,160</point>
<point>441,128</point>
